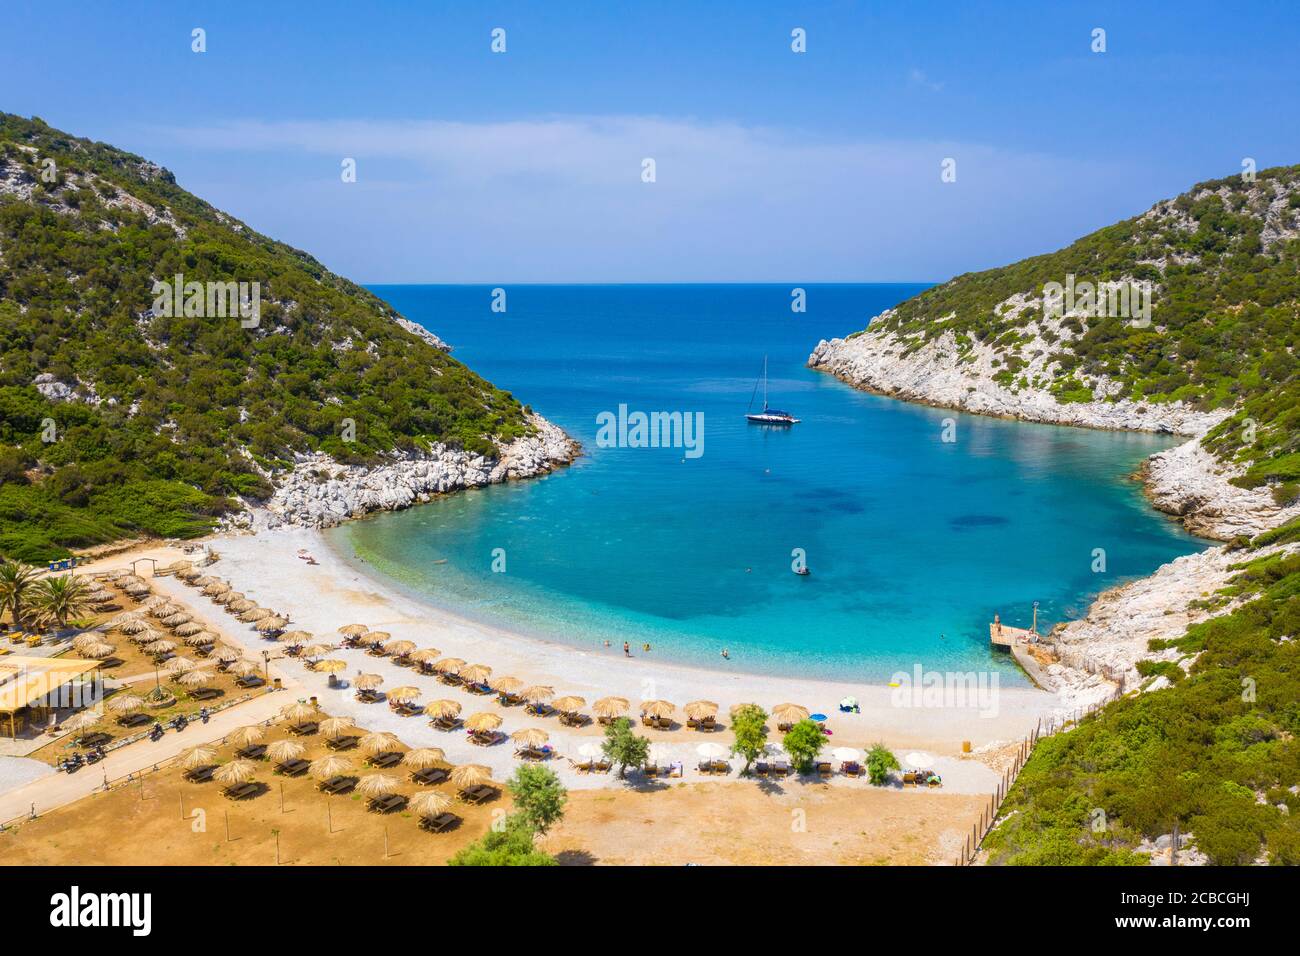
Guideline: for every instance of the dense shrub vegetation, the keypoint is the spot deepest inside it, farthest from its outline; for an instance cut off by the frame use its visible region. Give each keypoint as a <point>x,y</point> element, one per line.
<point>174,416</point>
<point>1216,754</point>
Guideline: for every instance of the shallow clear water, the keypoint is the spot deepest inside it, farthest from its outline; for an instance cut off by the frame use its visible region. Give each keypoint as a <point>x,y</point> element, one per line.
<point>913,542</point>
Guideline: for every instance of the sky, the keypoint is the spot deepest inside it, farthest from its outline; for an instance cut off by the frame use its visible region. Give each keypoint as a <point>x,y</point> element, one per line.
<point>528,165</point>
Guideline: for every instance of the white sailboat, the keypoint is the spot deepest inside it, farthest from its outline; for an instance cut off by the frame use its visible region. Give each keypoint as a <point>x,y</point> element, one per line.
<point>768,416</point>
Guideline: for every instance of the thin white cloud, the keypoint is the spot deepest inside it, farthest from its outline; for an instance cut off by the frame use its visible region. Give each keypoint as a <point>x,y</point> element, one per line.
<point>562,198</point>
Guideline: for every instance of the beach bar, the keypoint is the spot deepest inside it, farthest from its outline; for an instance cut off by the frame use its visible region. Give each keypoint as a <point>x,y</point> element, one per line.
<point>32,688</point>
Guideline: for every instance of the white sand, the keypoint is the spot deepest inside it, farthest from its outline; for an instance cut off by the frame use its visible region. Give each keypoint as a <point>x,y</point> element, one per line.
<point>323,597</point>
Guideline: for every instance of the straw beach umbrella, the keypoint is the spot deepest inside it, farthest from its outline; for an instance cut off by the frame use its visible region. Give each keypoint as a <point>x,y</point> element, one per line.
<point>404,694</point>
<point>430,803</point>
<point>98,650</point>
<point>241,606</point>
<point>425,655</point>
<point>177,666</point>
<point>537,693</point>
<point>295,637</point>
<point>186,628</point>
<point>657,708</point>
<point>483,722</point>
<point>331,666</point>
<point>216,587</point>
<point>423,757</point>
<point>229,655</point>
<point>399,648</point>
<point>189,575</point>
<point>166,610</point>
<point>268,624</point>
<point>176,620</point>
<point>442,708</point>
<point>137,590</point>
<point>204,580</point>
<point>194,679</point>
<point>700,709</point>
<point>470,775</point>
<point>160,647</point>
<point>335,727</point>
<point>247,736</point>
<point>609,707</point>
<point>331,766</point>
<point>506,685</point>
<point>368,682</point>
<point>200,638</point>
<point>199,756</point>
<point>475,673</point>
<point>282,751</point>
<point>242,668</point>
<point>790,713</point>
<point>147,636</point>
<point>353,630</point>
<point>378,741</point>
<point>377,637</point>
<point>237,771</point>
<point>82,720</point>
<point>316,650</point>
<point>530,737</point>
<point>255,614</point>
<point>227,597</point>
<point>569,704</point>
<point>449,665</point>
<point>134,625</point>
<point>298,712</point>
<point>377,785</point>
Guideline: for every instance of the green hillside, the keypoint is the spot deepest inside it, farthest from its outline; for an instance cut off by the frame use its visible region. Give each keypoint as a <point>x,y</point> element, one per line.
<point>1224,263</point>
<point>159,421</point>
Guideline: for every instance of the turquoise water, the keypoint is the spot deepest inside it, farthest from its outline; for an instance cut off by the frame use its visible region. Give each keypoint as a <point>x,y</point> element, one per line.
<point>913,543</point>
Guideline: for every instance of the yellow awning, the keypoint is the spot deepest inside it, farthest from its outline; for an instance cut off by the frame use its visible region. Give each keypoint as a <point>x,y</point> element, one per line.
<point>27,679</point>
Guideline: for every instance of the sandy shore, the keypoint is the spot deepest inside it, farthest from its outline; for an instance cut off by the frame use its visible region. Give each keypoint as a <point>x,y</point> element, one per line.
<point>321,598</point>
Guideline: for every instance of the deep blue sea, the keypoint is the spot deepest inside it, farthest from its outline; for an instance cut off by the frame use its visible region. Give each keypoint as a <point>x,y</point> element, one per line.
<point>913,542</point>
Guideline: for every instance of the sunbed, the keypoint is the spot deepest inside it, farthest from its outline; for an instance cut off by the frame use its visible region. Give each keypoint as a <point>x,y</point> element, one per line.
<point>250,680</point>
<point>252,752</point>
<point>484,738</point>
<point>478,794</point>
<point>368,696</point>
<point>304,730</point>
<point>135,720</point>
<point>851,768</point>
<point>509,700</point>
<point>539,709</point>
<point>574,720</point>
<point>386,804</point>
<point>206,693</point>
<point>200,774</point>
<point>443,821</point>
<point>824,769</point>
<point>94,740</point>
<point>446,723</point>
<point>241,790</point>
<point>293,768</point>
<point>429,776</point>
<point>339,784</point>
<point>342,743</point>
<point>386,759</point>
<point>406,709</point>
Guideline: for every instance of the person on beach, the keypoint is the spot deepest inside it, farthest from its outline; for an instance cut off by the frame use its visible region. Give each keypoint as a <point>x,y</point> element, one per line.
<point>726,655</point>
<point>627,650</point>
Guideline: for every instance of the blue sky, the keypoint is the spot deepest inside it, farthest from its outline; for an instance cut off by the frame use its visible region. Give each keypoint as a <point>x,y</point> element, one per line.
<point>770,165</point>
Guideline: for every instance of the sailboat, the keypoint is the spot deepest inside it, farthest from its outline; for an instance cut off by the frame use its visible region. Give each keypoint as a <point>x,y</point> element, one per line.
<point>769,416</point>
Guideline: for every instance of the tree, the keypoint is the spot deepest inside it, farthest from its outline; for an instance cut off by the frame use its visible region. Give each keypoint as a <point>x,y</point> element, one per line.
<point>803,743</point>
<point>623,747</point>
<point>510,846</point>
<point>880,760</point>
<point>15,580</point>
<point>539,796</point>
<point>57,599</point>
<point>749,724</point>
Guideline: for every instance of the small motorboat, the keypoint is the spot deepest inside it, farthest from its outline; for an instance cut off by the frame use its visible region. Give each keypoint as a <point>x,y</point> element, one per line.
<point>802,572</point>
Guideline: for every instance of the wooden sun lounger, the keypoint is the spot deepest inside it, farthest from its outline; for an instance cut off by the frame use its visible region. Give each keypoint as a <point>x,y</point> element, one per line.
<point>780,769</point>
<point>721,766</point>
<point>111,662</point>
<point>252,752</point>
<point>250,680</point>
<point>293,768</point>
<point>94,740</point>
<point>824,769</point>
<point>376,650</point>
<point>429,776</point>
<point>540,710</point>
<point>532,753</point>
<point>403,660</point>
<point>368,696</point>
<point>510,700</point>
<point>200,774</point>
<point>440,823</point>
<point>407,710</point>
<point>484,738</point>
<point>342,743</point>
<point>650,770</point>
<point>206,693</point>
<point>446,723</point>
<point>851,768</point>
<point>574,720</point>
<point>386,759</point>
<point>339,784</point>
<point>135,720</point>
<point>601,766</point>
<point>304,730</point>
<point>761,768</point>
<point>478,794</point>
<point>241,790</point>
<point>478,688</point>
<point>909,779</point>
<point>386,804</point>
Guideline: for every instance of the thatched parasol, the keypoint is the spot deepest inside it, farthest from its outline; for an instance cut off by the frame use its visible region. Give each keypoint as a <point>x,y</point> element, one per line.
<point>506,685</point>
<point>657,708</point>
<point>271,623</point>
<point>127,580</point>
<point>178,665</point>
<point>316,650</point>
<point>229,655</point>
<point>475,673</point>
<point>101,596</point>
<point>134,625</point>
<point>483,722</point>
<point>353,630</point>
<point>282,751</point>
<point>177,566</point>
<point>331,666</point>
<point>113,574</point>
<point>790,713</point>
<point>240,606</point>
<point>125,703</point>
<point>537,693</point>
<point>611,706</point>
<point>368,681</point>
<point>255,614</point>
<point>470,775</point>
<point>423,757</point>
<point>425,654</point>
<point>298,712</point>
<point>402,694</point>
<point>400,647</point>
<point>530,737</point>
<point>442,708</point>
<point>197,757</point>
<point>176,620</point>
<point>160,647</point>
<point>700,709</point>
<point>189,575</point>
<point>237,771</point>
<point>242,668</point>
<point>195,678</point>
<point>147,636</point>
<point>247,736</point>
<point>377,785</point>
<point>227,597</point>
<point>333,727</point>
<point>98,650</point>
<point>199,638</point>
<point>186,628</point>
<point>295,637</point>
<point>377,637</point>
<point>569,704</point>
<point>137,590</point>
<point>449,665</point>
<point>216,587</point>
<point>378,741</point>
<point>166,609</point>
<point>82,720</point>
<point>331,766</point>
<point>430,803</point>
<point>116,621</point>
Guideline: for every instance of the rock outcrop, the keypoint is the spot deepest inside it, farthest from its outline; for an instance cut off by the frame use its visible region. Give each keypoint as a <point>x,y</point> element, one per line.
<point>321,492</point>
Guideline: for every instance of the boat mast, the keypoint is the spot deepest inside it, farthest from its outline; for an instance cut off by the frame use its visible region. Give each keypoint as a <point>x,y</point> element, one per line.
<point>764,383</point>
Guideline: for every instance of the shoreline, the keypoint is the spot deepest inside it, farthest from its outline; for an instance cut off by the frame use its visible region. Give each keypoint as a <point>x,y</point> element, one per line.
<point>321,598</point>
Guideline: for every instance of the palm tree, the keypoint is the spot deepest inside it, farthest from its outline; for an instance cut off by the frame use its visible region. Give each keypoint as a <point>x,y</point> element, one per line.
<point>56,599</point>
<point>15,579</point>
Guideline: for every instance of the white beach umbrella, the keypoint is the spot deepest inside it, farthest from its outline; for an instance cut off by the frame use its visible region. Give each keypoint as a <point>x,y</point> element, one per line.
<point>712,751</point>
<point>918,760</point>
<point>591,750</point>
<point>660,753</point>
<point>846,754</point>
